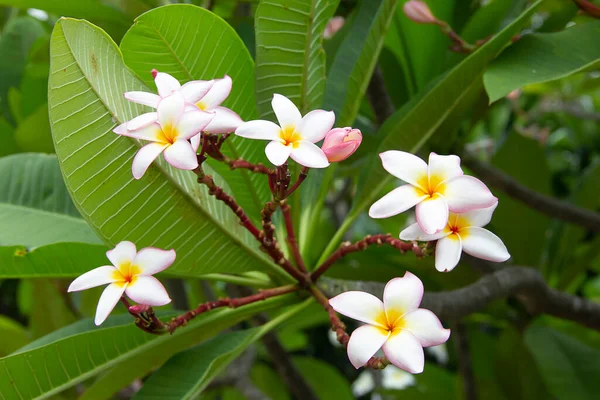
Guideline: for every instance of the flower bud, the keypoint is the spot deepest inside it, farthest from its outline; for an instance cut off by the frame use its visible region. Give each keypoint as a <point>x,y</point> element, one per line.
<point>139,308</point>
<point>341,143</point>
<point>334,25</point>
<point>419,12</point>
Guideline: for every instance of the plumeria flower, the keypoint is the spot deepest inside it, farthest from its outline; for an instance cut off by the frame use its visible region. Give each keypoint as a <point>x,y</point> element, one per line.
<point>397,324</point>
<point>463,232</point>
<point>435,189</point>
<point>130,273</point>
<point>169,135</point>
<point>396,379</point>
<point>341,143</point>
<point>294,136</point>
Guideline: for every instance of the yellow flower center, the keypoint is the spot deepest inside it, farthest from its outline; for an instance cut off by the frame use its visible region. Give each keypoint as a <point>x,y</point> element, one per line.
<point>201,105</point>
<point>430,185</point>
<point>126,273</point>
<point>391,322</point>
<point>456,226</point>
<point>167,134</point>
<point>289,136</point>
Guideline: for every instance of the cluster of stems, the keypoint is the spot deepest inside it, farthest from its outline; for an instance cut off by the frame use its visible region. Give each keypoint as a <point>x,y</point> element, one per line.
<point>280,184</point>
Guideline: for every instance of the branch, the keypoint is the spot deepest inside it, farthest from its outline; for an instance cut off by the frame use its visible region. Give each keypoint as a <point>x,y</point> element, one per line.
<point>291,237</point>
<point>545,204</point>
<point>525,283</point>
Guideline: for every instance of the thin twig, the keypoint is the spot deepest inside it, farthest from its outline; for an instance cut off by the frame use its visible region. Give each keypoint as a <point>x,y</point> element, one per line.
<point>291,237</point>
<point>301,178</point>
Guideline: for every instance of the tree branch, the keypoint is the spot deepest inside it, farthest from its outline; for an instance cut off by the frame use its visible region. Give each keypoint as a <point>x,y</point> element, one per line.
<point>545,204</point>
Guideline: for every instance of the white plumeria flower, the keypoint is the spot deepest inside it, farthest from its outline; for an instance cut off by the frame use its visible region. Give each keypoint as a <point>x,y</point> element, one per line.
<point>435,189</point>
<point>203,95</point>
<point>130,273</point>
<point>169,134</point>
<point>397,324</point>
<point>463,232</point>
<point>396,379</point>
<point>294,136</point>
<point>363,384</point>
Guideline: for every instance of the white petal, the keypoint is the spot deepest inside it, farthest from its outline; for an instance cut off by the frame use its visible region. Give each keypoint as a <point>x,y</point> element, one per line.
<point>286,111</point>
<point>108,300</point>
<point>145,98</point>
<point>442,168</point>
<point>315,125</point>
<point>466,193</point>
<point>360,306</point>
<point>432,214</point>
<point>142,121</point>
<point>402,295</point>
<point>396,201</point>
<point>181,155</point>
<point>165,84</point>
<point>364,343</point>
<point>479,217</point>
<point>225,121</point>
<point>405,352</point>
<point>195,142</point>
<point>193,91</point>
<point>309,155</point>
<point>144,158</point>
<point>147,290</point>
<point>277,152</point>
<point>192,122</point>
<point>259,129</point>
<point>408,167</point>
<point>414,232</point>
<point>152,260</point>
<point>447,252</point>
<point>483,244</point>
<point>152,132</point>
<point>170,109</point>
<point>218,92</point>
<point>96,277</point>
<point>397,379</point>
<point>426,327</point>
<point>122,253</point>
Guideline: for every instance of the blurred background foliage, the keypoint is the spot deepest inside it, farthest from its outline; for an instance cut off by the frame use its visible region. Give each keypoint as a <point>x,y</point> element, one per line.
<point>541,127</point>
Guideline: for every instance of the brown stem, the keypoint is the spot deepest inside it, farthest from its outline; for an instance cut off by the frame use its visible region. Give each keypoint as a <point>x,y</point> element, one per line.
<point>588,7</point>
<point>465,367</point>
<point>361,245</point>
<point>301,178</point>
<point>291,237</point>
<point>243,164</point>
<point>460,45</point>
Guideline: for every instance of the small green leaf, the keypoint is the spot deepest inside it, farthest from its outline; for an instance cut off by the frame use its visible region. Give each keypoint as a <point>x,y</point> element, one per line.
<point>33,133</point>
<point>13,335</point>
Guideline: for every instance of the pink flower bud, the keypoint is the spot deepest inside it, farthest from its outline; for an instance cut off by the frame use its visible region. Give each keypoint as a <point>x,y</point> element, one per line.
<point>154,73</point>
<point>419,12</point>
<point>341,143</point>
<point>139,308</point>
<point>334,25</point>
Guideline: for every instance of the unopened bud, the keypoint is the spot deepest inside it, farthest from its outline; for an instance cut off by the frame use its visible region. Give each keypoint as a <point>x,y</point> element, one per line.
<point>334,25</point>
<point>419,12</point>
<point>139,308</point>
<point>341,143</point>
<point>154,73</point>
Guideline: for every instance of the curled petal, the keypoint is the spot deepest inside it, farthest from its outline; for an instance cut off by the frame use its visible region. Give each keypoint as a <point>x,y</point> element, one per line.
<point>142,121</point>
<point>479,217</point>
<point>165,84</point>
<point>96,277</point>
<point>145,98</point>
<point>217,93</point>
<point>152,132</point>
<point>192,122</point>
<point>259,129</point>
<point>405,352</point>
<point>360,306</point>
<point>225,121</point>
<point>396,202</point>
<point>442,168</point>
<point>315,125</point>
<point>152,260</point>
<point>432,214</point>
<point>309,155</point>
<point>364,343</point>
<point>426,327</point>
<point>402,295</point>
<point>124,252</point>
<point>170,109</point>
<point>277,152</point>
<point>408,167</point>
<point>181,155</point>
<point>414,232</point>
<point>483,244</point>
<point>466,193</point>
<point>193,91</point>
<point>147,290</point>
<point>447,252</point>
<point>144,158</point>
<point>108,300</point>
<point>287,113</point>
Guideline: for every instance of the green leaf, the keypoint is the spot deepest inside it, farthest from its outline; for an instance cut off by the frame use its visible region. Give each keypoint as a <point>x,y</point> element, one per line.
<point>289,55</point>
<point>268,381</point>
<point>168,38</point>
<point>350,73</point>
<point>326,381</point>
<point>195,369</point>
<point>79,351</point>
<point>409,128</point>
<point>569,367</point>
<point>7,136</point>
<point>33,133</point>
<point>35,208</point>
<point>50,312</point>
<point>165,209</point>
<point>544,57</point>
<point>13,334</point>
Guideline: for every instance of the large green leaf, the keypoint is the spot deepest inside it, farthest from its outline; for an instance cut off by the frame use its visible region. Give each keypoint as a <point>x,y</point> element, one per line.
<point>167,208</point>
<point>190,43</point>
<point>543,57</point>
<point>13,334</point>
<point>289,57</point>
<point>79,351</point>
<point>326,381</point>
<point>356,58</point>
<point>410,127</point>
<point>188,373</point>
